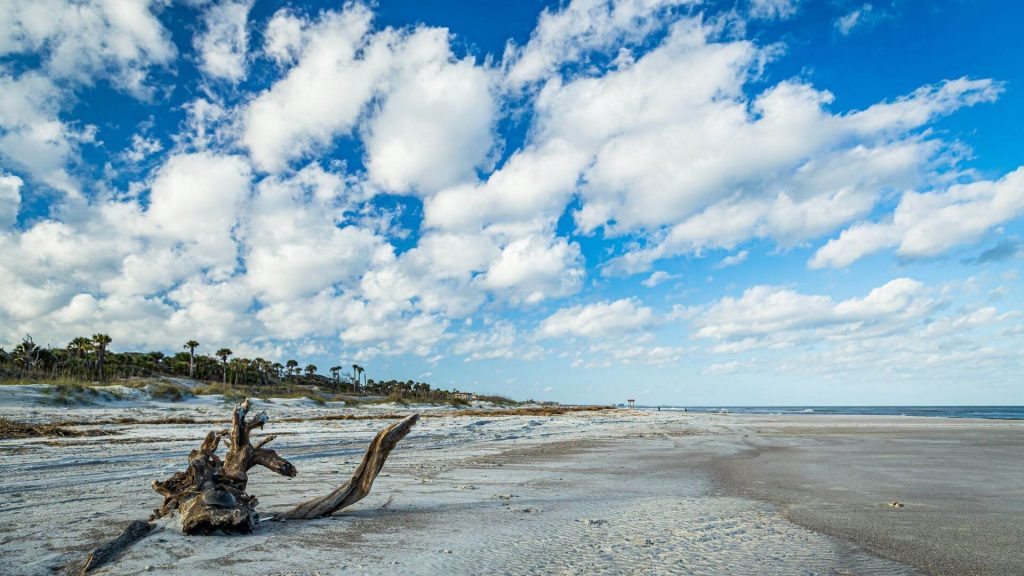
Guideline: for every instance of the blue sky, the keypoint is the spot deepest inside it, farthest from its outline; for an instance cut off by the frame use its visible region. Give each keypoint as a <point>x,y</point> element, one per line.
<point>682,202</point>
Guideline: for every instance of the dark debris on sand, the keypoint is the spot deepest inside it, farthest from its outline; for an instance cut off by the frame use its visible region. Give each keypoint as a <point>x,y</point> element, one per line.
<point>14,429</point>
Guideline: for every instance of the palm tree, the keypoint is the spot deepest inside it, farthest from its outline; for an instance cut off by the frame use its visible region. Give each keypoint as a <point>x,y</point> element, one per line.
<point>335,373</point>
<point>100,341</point>
<point>79,346</point>
<point>223,354</point>
<point>310,370</point>
<point>191,345</point>
<point>292,367</point>
<point>357,370</point>
<point>262,368</point>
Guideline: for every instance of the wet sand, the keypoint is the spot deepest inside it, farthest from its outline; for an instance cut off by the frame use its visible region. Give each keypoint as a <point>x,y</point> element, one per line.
<point>961,483</point>
<point>617,492</point>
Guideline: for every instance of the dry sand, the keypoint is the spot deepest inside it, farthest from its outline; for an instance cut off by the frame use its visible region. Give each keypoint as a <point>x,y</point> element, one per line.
<point>584,493</point>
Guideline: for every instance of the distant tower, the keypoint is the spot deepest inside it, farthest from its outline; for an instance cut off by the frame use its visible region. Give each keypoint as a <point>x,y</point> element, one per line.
<point>632,403</point>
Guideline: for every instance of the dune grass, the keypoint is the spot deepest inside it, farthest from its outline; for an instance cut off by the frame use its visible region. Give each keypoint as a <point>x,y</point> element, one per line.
<point>158,389</point>
<point>50,380</point>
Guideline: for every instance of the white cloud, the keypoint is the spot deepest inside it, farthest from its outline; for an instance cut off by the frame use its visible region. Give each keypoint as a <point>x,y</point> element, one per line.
<point>86,41</point>
<point>772,316</point>
<point>857,17</point>
<point>931,223</point>
<point>432,122</point>
<point>733,260</point>
<point>77,44</point>
<point>583,26</point>
<point>528,192</point>
<point>224,41</point>
<point>608,354</point>
<point>698,164</point>
<point>435,124</point>
<point>32,137</point>
<point>898,332</point>
<point>194,204</point>
<point>283,37</point>
<point>142,147</point>
<point>716,170</point>
<point>534,268</point>
<point>296,245</point>
<point>10,200</point>
<point>323,94</point>
<point>721,368</point>
<point>598,320</point>
<point>657,277</point>
<point>773,9</point>
<point>500,339</point>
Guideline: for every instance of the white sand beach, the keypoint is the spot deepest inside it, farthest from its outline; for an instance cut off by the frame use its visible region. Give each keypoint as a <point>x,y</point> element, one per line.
<point>604,492</point>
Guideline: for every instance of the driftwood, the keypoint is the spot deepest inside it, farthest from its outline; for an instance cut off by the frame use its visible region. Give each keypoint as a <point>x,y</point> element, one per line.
<point>210,494</point>
<point>362,479</point>
<point>109,551</point>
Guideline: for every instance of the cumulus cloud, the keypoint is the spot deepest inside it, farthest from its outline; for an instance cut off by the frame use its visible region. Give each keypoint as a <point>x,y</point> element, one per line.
<point>534,268</point>
<point>283,37</point>
<point>321,96</point>
<point>500,339</point>
<point>674,147</point>
<point>33,139</point>
<point>898,331</point>
<point>733,260</point>
<point>931,223</point>
<point>608,354</point>
<point>223,43</point>
<point>855,18</point>
<point>657,277</point>
<point>295,246</point>
<point>581,27</point>
<point>86,41</point>
<point>435,124</point>
<point>773,9</point>
<point>112,266</point>
<point>528,192</point>
<point>598,320</point>
<point>772,316</point>
<point>10,199</point>
<point>513,214</point>
<point>68,47</point>
<point>431,128</point>
<point>697,161</point>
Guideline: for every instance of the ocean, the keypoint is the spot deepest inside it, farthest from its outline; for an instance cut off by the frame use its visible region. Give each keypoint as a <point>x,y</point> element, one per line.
<point>991,412</point>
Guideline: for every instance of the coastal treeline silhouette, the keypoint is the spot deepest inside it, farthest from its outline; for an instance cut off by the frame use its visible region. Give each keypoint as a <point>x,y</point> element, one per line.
<point>88,359</point>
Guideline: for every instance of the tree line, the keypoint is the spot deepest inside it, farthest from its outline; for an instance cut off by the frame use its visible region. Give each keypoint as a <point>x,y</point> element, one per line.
<point>88,359</point>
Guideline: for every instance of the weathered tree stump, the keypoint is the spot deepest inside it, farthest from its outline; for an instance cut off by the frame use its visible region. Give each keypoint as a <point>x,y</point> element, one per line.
<point>210,495</point>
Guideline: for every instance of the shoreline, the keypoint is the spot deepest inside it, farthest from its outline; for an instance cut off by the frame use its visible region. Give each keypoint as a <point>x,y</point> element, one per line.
<point>614,491</point>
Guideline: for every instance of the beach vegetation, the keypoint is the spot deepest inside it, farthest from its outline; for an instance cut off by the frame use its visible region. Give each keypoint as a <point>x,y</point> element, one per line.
<point>79,371</point>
